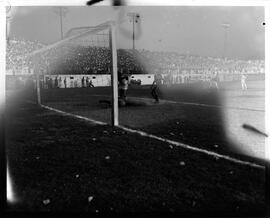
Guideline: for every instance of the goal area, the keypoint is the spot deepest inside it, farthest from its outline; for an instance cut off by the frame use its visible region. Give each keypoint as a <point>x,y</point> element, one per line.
<point>86,58</point>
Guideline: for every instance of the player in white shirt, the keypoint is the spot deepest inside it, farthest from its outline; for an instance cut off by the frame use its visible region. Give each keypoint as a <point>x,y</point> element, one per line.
<point>243,81</point>
<point>214,80</point>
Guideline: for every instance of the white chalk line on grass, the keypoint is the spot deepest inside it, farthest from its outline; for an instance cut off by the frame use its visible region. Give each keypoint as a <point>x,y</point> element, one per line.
<point>192,103</point>
<point>74,115</point>
<point>210,153</point>
<point>178,144</point>
<point>204,105</point>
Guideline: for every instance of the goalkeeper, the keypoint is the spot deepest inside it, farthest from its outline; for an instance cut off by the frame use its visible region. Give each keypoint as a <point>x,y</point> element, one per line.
<point>123,87</point>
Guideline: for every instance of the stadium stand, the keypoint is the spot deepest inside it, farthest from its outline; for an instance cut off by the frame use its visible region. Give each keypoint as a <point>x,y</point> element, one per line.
<point>76,59</point>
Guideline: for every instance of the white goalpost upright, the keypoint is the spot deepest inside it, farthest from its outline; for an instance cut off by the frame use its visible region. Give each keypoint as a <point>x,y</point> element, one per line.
<point>114,76</point>
<point>109,26</point>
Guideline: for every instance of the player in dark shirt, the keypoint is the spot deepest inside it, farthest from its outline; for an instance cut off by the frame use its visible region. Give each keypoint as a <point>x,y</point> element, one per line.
<point>123,87</point>
<point>56,82</point>
<point>155,88</point>
<point>91,84</point>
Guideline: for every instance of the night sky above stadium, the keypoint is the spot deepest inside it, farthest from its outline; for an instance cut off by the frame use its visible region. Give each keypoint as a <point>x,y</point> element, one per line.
<point>186,30</point>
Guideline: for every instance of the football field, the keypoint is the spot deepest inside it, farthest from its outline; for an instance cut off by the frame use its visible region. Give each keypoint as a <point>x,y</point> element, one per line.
<point>190,113</point>
<point>248,107</point>
<point>61,163</point>
<point>136,108</point>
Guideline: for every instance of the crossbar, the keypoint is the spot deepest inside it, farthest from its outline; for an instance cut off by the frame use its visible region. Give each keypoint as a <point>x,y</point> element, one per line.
<point>98,28</point>
<point>110,25</point>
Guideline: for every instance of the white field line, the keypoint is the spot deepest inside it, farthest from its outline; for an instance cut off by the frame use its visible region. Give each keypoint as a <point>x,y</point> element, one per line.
<point>204,105</point>
<point>178,144</point>
<point>10,194</point>
<point>195,104</point>
<point>74,115</point>
<point>210,153</point>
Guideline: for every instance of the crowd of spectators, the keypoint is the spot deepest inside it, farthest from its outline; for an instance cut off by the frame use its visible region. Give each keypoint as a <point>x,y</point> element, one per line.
<point>16,51</point>
<point>169,62</point>
<point>90,60</point>
<point>69,58</point>
<point>78,59</point>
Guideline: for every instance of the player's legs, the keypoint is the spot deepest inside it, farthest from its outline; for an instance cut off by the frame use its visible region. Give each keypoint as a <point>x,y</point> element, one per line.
<point>245,85</point>
<point>120,93</point>
<point>210,83</point>
<point>216,84</point>
<point>124,94</point>
<point>154,94</point>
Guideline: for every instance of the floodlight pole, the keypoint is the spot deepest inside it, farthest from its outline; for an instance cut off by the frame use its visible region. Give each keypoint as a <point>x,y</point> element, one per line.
<point>135,18</point>
<point>8,18</point>
<point>133,34</point>
<point>61,11</point>
<point>36,73</point>
<point>61,22</point>
<point>114,75</point>
<point>38,87</point>
<point>226,27</point>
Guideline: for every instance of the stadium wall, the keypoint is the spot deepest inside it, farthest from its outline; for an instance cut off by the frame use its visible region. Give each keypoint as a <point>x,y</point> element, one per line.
<point>75,81</point>
<point>101,80</point>
<point>98,80</point>
<point>146,79</point>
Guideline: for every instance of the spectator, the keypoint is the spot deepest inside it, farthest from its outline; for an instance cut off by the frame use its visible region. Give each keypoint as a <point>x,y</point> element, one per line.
<point>87,81</point>
<point>65,82</point>
<point>84,59</point>
<point>60,82</point>
<point>83,85</point>
<point>56,82</point>
<point>91,84</point>
<point>50,83</point>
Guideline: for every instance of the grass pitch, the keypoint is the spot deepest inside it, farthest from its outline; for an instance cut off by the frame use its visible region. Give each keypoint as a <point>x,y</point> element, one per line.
<point>59,163</point>
<point>200,126</point>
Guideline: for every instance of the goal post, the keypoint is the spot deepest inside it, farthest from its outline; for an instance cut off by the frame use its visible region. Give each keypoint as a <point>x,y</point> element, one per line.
<point>114,75</point>
<point>101,37</point>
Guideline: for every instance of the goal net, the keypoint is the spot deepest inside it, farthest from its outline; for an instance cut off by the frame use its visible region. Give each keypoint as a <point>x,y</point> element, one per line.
<point>79,73</point>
